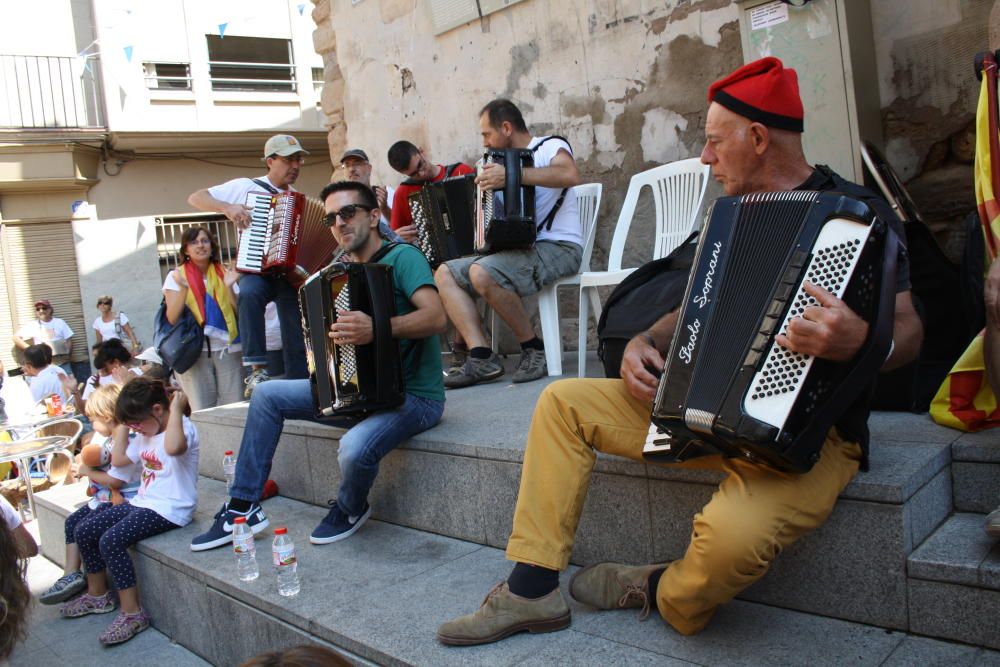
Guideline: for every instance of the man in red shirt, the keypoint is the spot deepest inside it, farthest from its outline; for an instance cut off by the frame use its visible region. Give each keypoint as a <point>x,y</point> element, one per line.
<point>411,162</point>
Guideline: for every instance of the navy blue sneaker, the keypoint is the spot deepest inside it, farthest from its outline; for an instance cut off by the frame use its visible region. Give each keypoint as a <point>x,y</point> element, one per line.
<point>221,532</point>
<point>338,526</point>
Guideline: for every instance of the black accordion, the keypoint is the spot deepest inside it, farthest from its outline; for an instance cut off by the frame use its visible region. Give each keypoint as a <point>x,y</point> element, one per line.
<point>351,380</point>
<point>727,387</point>
<point>505,220</point>
<point>443,213</point>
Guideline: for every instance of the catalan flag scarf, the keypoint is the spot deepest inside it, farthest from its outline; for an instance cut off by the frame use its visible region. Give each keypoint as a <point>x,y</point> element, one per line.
<point>212,308</point>
<point>965,400</point>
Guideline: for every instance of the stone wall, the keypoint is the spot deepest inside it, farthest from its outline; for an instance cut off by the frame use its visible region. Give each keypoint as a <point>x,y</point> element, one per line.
<point>625,81</point>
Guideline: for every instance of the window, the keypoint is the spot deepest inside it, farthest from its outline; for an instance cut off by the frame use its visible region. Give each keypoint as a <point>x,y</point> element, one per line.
<point>448,14</point>
<point>167,76</point>
<point>170,229</point>
<point>251,64</point>
<point>318,80</point>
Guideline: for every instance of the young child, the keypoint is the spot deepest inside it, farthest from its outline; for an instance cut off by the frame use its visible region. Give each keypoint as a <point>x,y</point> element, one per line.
<point>167,450</point>
<point>101,412</point>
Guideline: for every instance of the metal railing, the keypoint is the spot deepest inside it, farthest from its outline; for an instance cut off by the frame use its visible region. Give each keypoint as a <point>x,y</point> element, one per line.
<point>170,230</point>
<point>225,75</point>
<point>50,92</point>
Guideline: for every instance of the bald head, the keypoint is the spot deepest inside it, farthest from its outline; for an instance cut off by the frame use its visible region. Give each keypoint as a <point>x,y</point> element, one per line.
<point>748,156</point>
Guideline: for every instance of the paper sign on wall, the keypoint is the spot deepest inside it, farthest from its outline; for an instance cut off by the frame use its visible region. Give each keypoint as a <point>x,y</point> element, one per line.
<point>765,16</point>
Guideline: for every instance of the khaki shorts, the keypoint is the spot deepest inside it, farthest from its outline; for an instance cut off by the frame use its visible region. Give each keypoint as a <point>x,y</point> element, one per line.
<point>522,271</point>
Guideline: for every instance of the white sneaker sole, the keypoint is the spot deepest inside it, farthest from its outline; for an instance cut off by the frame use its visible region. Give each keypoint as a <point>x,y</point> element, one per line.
<point>344,535</point>
<point>228,539</point>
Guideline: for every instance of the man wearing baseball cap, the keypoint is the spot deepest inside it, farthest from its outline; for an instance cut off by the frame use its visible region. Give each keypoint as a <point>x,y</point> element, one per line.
<point>753,143</point>
<point>357,167</point>
<point>51,331</point>
<point>284,156</point>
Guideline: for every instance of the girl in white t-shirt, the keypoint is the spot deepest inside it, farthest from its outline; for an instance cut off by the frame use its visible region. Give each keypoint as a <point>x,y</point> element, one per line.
<point>166,448</point>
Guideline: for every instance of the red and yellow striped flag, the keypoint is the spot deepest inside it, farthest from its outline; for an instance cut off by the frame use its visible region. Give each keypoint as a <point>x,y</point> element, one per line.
<point>965,400</point>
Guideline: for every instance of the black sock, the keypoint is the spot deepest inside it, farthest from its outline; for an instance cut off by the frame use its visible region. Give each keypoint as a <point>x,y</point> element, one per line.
<point>654,581</point>
<point>241,506</point>
<point>480,353</point>
<point>531,581</point>
<point>533,344</point>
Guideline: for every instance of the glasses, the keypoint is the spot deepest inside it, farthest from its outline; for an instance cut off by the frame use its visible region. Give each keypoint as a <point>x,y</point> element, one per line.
<point>201,241</point>
<point>103,303</point>
<point>292,159</point>
<point>346,214</point>
<point>41,308</point>
<point>421,165</point>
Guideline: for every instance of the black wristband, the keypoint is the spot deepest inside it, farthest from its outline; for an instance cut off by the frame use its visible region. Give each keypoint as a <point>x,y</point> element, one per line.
<point>649,338</point>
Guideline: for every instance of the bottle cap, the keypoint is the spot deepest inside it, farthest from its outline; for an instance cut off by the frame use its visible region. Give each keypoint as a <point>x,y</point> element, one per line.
<point>228,452</point>
<point>281,531</point>
<point>240,519</point>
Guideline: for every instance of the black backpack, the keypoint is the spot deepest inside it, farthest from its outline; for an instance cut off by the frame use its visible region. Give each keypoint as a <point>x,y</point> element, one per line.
<point>647,294</point>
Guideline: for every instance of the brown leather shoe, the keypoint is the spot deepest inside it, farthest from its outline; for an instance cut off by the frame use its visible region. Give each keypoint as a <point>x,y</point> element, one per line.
<point>614,586</point>
<point>503,614</point>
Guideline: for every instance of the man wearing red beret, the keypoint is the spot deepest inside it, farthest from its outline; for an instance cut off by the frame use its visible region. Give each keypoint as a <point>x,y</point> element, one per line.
<point>754,144</point>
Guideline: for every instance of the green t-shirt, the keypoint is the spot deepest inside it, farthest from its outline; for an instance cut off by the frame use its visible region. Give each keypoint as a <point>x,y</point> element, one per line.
<point>421,356</point>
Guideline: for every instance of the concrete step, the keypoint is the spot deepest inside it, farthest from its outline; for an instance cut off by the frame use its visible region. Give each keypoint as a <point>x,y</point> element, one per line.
<point>460,479</point>
<point>975,471</point>
<point>379,597</point>
<point>955,583</point>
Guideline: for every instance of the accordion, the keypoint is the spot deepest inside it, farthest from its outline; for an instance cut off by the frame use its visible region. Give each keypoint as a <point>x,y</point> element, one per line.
<point>443,213</point>
<point>286,235</point>
<point>506,220</point>
<point>351,380</point>
<point>727,387</point>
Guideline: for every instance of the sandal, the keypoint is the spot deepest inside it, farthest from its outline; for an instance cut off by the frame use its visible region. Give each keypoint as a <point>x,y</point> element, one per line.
<point>124,627</point>
<point>88,604</point>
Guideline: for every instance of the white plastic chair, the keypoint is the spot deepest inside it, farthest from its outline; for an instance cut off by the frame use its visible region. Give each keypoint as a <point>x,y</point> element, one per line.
<point>678,189</point>
<point>588,201</point>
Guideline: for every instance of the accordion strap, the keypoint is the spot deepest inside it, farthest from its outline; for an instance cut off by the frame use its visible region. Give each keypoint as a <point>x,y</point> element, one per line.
<point>871,356</point>
<point>270,188</point>
<point>546,224</point>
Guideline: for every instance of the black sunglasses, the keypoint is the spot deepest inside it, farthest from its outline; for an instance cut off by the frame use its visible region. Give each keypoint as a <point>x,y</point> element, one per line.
<point>346,214</point>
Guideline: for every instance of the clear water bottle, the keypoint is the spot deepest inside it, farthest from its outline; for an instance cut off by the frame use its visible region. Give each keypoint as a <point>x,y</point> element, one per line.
<point>285,563</point>
<point>229,469</point>
<point>245,550</point>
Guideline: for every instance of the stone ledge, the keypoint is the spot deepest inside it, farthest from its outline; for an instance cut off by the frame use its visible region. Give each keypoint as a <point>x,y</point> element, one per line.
<point>983,447</point>
<point>471,427</point>
<point>959,552</point>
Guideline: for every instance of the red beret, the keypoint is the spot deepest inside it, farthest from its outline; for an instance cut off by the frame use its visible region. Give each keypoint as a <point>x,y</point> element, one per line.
<point>763,91</point>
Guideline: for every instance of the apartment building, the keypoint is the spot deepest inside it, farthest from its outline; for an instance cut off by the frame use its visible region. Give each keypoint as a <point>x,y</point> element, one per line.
<point>112,112</point>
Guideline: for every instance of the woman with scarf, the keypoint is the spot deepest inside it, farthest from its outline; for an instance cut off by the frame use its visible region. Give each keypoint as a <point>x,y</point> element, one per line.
<point>202,284</point>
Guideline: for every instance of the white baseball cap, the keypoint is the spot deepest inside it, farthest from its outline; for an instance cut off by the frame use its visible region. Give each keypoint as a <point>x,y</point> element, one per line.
<point>149,354</point>
<point>284,145</point>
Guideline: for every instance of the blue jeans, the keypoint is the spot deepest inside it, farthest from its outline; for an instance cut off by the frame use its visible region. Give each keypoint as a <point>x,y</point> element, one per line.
<point>255,293</point>
<point>361,448</point>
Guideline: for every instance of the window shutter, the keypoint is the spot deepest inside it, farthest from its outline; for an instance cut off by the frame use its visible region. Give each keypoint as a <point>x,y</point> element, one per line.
<point>40,263</point>
<point>448,14</point>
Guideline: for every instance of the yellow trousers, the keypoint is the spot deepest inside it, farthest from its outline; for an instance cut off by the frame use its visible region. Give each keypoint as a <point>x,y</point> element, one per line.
<point>754,514</point>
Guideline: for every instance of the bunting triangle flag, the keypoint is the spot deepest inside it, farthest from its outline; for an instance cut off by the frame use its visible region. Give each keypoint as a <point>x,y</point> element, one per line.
<point>222,29</point>
<point>128,53</point>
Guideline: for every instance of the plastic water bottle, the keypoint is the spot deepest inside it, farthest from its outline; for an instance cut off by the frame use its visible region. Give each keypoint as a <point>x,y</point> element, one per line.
<point>285,563</point>
<point>229,469</point>
<point>245,550</point>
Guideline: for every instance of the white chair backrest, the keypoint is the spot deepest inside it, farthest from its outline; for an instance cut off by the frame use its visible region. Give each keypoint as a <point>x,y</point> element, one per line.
<point>678,189</point>
<point>588,201</point>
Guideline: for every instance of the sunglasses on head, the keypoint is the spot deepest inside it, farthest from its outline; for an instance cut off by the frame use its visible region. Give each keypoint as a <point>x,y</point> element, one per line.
<point>345,213</point>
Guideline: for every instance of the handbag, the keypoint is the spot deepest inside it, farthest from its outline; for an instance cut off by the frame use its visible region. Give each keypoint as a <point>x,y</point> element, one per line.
<point>179,344</point>
<point>651,291</point>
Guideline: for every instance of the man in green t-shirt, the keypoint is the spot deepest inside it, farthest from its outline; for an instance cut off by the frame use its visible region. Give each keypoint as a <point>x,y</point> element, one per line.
<point>353,216</point>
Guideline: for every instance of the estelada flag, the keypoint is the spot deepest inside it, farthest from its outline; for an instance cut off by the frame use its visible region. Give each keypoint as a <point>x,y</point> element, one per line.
<point>965,400</point>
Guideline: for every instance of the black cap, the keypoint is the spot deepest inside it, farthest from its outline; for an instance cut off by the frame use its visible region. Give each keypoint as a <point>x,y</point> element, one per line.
<point>355,152</point>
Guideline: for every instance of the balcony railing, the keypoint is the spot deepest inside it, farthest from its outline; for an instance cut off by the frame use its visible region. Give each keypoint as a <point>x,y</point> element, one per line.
<point>50,92</point>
